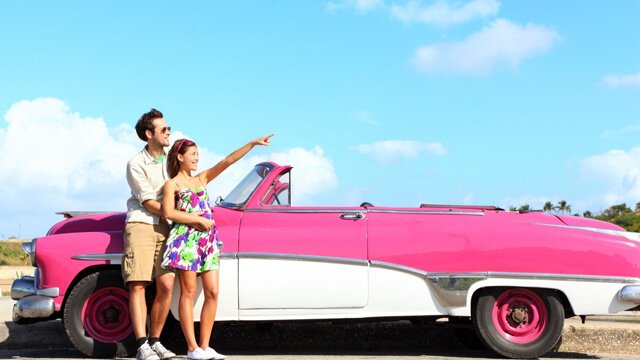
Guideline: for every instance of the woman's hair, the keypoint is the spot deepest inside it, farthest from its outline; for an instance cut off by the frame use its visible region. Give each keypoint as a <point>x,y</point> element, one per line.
<point>179,147</point>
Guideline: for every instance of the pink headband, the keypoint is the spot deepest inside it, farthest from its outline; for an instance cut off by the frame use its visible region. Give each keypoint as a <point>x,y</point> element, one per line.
<point>180,145</point>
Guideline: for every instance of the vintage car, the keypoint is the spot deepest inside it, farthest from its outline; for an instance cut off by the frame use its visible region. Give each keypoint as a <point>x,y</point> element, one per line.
<point>508,278</point>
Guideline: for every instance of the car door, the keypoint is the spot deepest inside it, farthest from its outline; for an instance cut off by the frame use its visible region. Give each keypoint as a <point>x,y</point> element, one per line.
<point>302,258</point>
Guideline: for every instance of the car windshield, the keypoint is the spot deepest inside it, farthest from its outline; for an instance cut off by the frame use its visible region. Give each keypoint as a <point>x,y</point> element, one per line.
<point>241,193</point>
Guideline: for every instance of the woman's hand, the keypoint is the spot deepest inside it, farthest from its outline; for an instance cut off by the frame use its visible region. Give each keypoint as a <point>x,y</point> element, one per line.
<point>264,141</point>
<point>203,224</point>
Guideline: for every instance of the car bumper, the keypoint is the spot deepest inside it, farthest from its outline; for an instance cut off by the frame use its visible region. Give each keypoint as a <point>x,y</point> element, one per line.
<point>32,302</point>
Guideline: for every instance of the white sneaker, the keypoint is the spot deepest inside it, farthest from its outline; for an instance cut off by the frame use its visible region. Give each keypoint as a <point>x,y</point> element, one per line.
<point>145,352</point>
<point>162,351</point>
<point>198,354</point>
<point>214,354</point>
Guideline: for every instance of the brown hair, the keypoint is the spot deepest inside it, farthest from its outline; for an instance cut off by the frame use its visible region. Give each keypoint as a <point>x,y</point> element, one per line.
<point>146,123</point>
<point>179,147</point>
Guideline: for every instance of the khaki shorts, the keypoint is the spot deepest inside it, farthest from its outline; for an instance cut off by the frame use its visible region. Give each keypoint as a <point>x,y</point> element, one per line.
<point>144,246</point>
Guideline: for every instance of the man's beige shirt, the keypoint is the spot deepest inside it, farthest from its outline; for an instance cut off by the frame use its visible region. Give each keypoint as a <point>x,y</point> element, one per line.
<point>146,177</point>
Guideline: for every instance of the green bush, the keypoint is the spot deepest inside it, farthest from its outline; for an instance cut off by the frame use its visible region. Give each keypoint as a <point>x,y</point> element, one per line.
<point>11,253</point>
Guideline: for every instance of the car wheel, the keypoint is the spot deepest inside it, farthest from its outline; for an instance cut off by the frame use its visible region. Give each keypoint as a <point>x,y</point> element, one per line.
<point>518,322</point>
<point>96,316</point>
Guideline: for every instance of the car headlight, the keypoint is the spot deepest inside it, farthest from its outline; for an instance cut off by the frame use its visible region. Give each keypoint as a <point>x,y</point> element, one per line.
<point>30,249</point>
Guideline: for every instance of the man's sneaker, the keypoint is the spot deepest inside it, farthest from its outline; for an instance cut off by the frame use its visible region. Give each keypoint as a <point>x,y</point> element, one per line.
<point>145,352</point>
<point>197,354</point>
<point>214,354</point>
<point>162,351</point>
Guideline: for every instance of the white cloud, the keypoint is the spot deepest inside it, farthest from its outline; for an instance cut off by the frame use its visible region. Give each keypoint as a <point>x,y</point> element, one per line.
<point>313,173</point>
<point>54,159</point>
<point>622,81</point>
<point>501,42</point>
<point>386,151</point>
<point>361,6</point>
<point>442,13</point>
<point>619,170</point>
<point>617,133</point>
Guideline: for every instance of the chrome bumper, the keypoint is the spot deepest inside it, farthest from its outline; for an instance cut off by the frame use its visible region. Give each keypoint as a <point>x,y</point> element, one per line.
<point>33,307</point>
<point>630,293</point>
<point>33,303</point>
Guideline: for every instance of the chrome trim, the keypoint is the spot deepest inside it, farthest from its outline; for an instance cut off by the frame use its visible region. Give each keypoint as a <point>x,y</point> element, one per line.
<point>452,290</point>
<point>390,266</point>
<point>116,259</point>
<point>111,258</point>
<point>32,307</point>
<point>630,293</point>
<point>299,211</point>
<point>369,210</point>
<point>426,212</point>
<point>295,257</point>
<point>23,287</point>
<point>634,236</point>
<point>29,247</point>
<point>49,292</point>
<point>569,277</point>
<point>350,215</point>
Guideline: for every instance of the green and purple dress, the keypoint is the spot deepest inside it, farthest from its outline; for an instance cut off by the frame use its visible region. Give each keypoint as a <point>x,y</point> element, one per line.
<point>188,248</point>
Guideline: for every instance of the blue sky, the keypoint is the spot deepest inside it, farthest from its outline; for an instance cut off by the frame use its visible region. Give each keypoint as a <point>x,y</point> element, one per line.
<point>392,102</point>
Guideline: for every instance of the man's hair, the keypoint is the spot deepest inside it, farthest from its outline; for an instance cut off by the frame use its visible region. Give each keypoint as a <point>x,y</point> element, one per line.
<point>146,123</point>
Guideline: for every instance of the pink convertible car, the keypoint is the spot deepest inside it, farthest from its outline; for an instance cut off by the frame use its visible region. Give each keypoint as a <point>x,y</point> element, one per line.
<point>507,278</point>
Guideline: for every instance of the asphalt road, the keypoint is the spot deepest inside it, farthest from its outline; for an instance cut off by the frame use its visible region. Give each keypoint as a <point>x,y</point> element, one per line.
<point>310,341</point>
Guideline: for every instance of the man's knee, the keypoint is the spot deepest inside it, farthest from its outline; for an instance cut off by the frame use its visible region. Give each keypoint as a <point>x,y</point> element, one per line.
<point>136,287</point>
<point>164,285</point>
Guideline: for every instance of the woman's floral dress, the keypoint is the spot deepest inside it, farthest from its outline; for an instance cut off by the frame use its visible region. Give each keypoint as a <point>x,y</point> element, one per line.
<point>188,248</point>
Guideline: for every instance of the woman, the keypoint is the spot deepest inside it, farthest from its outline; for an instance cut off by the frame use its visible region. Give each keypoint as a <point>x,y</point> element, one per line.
<point>193,245</point>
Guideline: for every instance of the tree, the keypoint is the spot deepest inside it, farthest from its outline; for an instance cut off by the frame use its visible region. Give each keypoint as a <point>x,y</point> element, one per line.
<point>548,207</point>
<point>524,208</point>
<point>562,206</point>
<point>587,214</point>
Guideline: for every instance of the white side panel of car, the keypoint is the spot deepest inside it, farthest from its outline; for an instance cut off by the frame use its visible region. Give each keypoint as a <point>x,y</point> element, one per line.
<point>390,293</point>
<point>301,284</point>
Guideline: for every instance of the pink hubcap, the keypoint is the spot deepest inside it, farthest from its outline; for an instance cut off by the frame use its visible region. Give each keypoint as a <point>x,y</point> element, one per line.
<point>105,315</point>
<point>520,316</point>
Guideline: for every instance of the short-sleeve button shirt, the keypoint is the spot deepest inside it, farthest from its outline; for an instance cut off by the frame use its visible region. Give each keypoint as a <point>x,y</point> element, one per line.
<point>146,177</point>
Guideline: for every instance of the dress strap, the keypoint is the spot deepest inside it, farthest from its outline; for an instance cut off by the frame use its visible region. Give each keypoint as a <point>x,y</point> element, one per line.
<point>201,182</point>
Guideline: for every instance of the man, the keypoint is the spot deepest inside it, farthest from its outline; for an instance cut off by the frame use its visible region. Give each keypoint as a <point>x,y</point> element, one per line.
<point>144,236</point>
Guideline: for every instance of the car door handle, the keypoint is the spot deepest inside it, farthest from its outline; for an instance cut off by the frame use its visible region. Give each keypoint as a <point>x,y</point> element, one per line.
<point>352,216</point>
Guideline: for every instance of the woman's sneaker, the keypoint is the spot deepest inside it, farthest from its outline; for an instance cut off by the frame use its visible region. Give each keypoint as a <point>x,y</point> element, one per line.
<point>145,352</point>
<point>198,354</point>
<point>162,351</point>
<point>214,354</point>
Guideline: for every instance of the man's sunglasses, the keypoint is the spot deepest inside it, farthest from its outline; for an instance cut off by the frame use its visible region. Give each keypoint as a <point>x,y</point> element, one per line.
<point>165,129</point>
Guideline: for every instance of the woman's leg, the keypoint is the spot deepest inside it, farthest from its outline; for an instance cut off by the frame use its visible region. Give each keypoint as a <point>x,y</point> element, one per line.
<point>210,280</point>
<point>188,286</point>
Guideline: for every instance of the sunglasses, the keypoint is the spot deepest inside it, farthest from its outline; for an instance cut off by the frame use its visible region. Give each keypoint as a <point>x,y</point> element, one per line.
<point>165,129</point>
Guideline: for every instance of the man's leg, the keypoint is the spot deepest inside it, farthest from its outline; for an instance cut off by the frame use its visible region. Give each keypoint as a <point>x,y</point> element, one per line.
<point>161,304</point>
<point>138,308</point>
